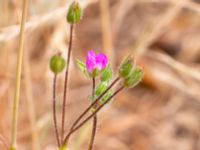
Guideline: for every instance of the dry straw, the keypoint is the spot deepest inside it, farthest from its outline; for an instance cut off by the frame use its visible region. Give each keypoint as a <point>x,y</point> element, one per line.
<point>18,77</point>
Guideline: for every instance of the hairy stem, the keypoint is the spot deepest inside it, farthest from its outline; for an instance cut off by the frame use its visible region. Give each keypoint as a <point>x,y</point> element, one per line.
<point>66,82</point>
<point>93,87</point>
<point>94,126</point>
<point>92,115</point>
<point>54,110</point>
<point>18,76</point>
<point>94,103</point>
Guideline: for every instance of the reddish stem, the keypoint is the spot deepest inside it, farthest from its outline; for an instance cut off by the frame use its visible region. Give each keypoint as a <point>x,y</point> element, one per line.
<point>92,115</point>
<point>94,126</point>
<point>66,82</point>
<point>54,110</point>
<point>94,103</point>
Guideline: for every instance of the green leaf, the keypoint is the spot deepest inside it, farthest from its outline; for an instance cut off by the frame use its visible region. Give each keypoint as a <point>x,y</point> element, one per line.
<point>106,74</point>
<point>81,65</point>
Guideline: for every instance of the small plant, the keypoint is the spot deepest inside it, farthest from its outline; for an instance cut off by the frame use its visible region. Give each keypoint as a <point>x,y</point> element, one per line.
<point>97,69</point>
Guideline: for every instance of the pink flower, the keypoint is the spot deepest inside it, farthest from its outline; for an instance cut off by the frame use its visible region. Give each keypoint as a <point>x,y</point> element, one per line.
<point>96,62</point>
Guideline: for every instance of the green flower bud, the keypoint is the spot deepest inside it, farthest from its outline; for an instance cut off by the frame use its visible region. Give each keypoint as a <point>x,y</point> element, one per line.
<point>106,97</point>
<point>106,74</point>
<point>74,14</point>
<point>101,88</point>
<point>57,64</point>
<point>126,68</point>
<point>134,78</point>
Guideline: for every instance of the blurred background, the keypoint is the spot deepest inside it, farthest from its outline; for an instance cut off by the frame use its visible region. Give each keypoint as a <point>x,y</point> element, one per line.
<point>162,113</point>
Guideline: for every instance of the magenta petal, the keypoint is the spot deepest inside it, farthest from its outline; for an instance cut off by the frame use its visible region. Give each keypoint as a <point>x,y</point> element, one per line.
<point>94,61</point>
<point>91,61</point>
<point>101,61</point>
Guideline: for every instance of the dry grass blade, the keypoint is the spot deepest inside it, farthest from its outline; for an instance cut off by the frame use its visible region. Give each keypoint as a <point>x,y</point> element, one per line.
<point>186,70</point>
<point>155,29</point>
<point>185,4</point>
<point>11,32</point>
<point>107,30</point>
<point>170,80</point>
<point>187,87</point>
<point>18,76</point>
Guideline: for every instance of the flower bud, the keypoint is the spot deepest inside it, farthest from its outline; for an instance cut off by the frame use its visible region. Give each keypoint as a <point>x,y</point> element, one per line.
<point>134,78</point>
<point>126,68</point>
<point>57,64</point>
<point>101,88</point>
<point>74,14</point>
<point>106,97</point>
<point>106,74</point>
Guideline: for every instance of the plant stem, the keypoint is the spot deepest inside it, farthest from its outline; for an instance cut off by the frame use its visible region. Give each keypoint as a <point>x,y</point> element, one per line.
<point>18,76</point>
<point>54,110</point>
<point>94,103</point>
<point>66,82</point>
<point>93,87</point>
<point>94,113</point>
<point>94,126</point>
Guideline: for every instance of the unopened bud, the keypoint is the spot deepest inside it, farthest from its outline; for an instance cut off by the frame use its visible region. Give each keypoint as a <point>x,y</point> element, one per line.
<point>126,68</point>
<point>134,78</point>
<point>106,74</point>
<point>57,64</point>
<point>74,14</point>
<point>101,88</point>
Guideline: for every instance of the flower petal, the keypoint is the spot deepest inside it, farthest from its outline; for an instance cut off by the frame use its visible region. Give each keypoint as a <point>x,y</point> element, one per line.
<point>91,61</point>
<point>101,61</point>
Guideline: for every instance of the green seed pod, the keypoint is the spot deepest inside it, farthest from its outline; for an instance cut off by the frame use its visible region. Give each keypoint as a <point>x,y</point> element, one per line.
<point>126,68</point>
<point>74,14</point>
<point>134,78</point>
<point>106,74</point>
<point>57,64</point>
